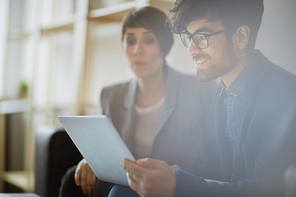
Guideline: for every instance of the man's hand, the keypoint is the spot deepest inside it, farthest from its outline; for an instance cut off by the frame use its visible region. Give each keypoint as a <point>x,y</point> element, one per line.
<point>85,177</point>
<point>150,177</point>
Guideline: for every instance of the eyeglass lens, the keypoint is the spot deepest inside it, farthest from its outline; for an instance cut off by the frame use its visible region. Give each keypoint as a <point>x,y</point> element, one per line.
<point>199,40</point>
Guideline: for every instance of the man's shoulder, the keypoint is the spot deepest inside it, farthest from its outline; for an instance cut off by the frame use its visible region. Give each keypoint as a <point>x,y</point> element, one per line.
<point>269,75</point>
<point>279,80</point>
<point>277,89</point>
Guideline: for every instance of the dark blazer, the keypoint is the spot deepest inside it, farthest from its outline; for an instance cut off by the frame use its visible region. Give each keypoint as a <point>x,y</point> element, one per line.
<point>185,131</point>
<point>261,115</point>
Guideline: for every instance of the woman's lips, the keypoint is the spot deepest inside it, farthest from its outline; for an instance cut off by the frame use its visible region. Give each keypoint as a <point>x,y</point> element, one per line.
<point>138,63</point>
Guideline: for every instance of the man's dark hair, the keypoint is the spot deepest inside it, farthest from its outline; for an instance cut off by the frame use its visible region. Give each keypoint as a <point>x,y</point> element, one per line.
<point>232,13</point>
<point>154,20</point>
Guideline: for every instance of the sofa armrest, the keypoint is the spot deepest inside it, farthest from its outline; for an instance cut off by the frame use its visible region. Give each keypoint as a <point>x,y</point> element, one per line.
<point>55,153</point>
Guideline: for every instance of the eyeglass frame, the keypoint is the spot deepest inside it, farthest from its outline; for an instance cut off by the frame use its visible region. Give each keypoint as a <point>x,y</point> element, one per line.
<point>191,36</point>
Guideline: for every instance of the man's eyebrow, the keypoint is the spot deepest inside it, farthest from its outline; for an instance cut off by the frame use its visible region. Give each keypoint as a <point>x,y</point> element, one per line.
<point>202,30</point>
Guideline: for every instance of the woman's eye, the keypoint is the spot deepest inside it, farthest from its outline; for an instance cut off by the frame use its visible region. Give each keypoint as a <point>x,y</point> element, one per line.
<point>131,41</point>
<point>149,40</point>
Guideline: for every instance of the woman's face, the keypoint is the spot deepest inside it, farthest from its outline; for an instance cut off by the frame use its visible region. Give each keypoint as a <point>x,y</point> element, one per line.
<point>142,49</point>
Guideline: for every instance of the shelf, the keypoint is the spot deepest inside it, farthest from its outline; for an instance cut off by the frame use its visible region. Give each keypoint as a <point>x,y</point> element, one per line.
<point>113,12</point>
<point>164,5</point>
<point>64,24</point>
<point>21,179</point>
<point>163,1</point>
<point>14,106</point>
<point>20,34</point>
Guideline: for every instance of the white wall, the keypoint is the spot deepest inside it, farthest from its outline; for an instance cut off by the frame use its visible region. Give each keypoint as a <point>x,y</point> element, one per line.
<point>277,35</point>
<point>276,39</point>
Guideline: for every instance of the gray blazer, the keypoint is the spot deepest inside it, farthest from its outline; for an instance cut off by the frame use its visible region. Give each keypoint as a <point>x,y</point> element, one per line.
<point>185,131</point>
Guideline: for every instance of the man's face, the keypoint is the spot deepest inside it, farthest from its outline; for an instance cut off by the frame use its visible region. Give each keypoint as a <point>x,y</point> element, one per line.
<point>219,58</point>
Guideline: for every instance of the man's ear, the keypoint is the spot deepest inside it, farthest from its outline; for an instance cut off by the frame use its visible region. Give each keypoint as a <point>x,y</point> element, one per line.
<point>242,36</point>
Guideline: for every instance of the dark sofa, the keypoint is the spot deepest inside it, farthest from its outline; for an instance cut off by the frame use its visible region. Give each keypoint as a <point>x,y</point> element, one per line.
<point>55,153</point>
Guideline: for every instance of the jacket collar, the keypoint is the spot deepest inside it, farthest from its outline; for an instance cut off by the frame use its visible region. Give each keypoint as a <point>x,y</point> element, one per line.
<point>170,101</point>
<point>170,90</point>
<point>169,105</point>
<point>129,98</point>
<point>250,74</point>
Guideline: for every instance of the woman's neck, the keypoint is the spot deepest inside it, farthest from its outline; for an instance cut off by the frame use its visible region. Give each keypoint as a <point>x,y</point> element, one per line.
<point>151,90</point>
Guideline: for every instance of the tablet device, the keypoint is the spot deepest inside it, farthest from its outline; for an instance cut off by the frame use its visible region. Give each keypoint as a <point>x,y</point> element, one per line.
<point>100,144</point>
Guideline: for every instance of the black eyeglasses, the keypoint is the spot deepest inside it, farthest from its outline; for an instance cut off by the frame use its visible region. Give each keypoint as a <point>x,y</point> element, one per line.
<point>199,39</point>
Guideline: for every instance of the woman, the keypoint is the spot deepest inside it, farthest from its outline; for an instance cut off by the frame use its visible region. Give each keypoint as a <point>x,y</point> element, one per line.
<point>160,113</point>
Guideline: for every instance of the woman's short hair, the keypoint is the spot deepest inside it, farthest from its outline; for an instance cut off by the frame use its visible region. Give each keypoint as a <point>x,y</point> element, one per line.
<point>154,20</point>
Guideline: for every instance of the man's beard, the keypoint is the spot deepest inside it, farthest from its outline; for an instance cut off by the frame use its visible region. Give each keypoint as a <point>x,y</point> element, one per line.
<point>215,71</point>
<point>202,75</point>
<point>211,74</point>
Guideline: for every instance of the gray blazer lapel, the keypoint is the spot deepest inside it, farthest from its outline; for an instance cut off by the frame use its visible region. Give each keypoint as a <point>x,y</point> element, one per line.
<point>170,101</point>
<point>129,100</point>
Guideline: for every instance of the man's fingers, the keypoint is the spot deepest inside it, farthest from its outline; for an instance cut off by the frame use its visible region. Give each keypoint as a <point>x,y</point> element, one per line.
<point>150,177</point>
<point>174,167</point>
<point>131,167</point>
<point>133,170</point>
<point>133,183</point>
<point>134,177</point>
<point>151,163</point>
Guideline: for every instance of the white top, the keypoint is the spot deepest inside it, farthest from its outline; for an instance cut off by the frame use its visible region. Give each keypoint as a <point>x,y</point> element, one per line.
<point>146,128</point>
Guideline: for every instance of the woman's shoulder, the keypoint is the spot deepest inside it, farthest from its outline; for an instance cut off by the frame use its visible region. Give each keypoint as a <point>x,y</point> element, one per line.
<point>117,89</point>
<point>117,85</point>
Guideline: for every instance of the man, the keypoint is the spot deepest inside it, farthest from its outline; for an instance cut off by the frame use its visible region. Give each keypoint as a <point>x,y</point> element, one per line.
<point>255,109</point>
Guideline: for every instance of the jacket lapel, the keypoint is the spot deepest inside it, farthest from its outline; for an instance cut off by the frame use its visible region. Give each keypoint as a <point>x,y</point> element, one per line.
<point>128,105</point>
<point>170,101</point>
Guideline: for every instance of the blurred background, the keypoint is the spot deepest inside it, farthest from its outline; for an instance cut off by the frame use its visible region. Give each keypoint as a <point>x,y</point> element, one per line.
<point>56,55</point>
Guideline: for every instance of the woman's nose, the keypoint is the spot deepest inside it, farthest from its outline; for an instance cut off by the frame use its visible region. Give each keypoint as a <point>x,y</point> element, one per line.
<point>138,50</point>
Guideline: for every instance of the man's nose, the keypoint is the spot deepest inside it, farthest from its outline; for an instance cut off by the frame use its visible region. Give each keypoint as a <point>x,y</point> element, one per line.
<point>193,49</point>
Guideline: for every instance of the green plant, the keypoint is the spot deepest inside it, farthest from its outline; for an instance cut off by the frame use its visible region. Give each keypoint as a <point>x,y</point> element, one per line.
<point>23,89</point>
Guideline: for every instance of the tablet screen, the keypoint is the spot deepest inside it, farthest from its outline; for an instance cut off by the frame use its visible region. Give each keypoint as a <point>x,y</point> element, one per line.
<point>100,144</point>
